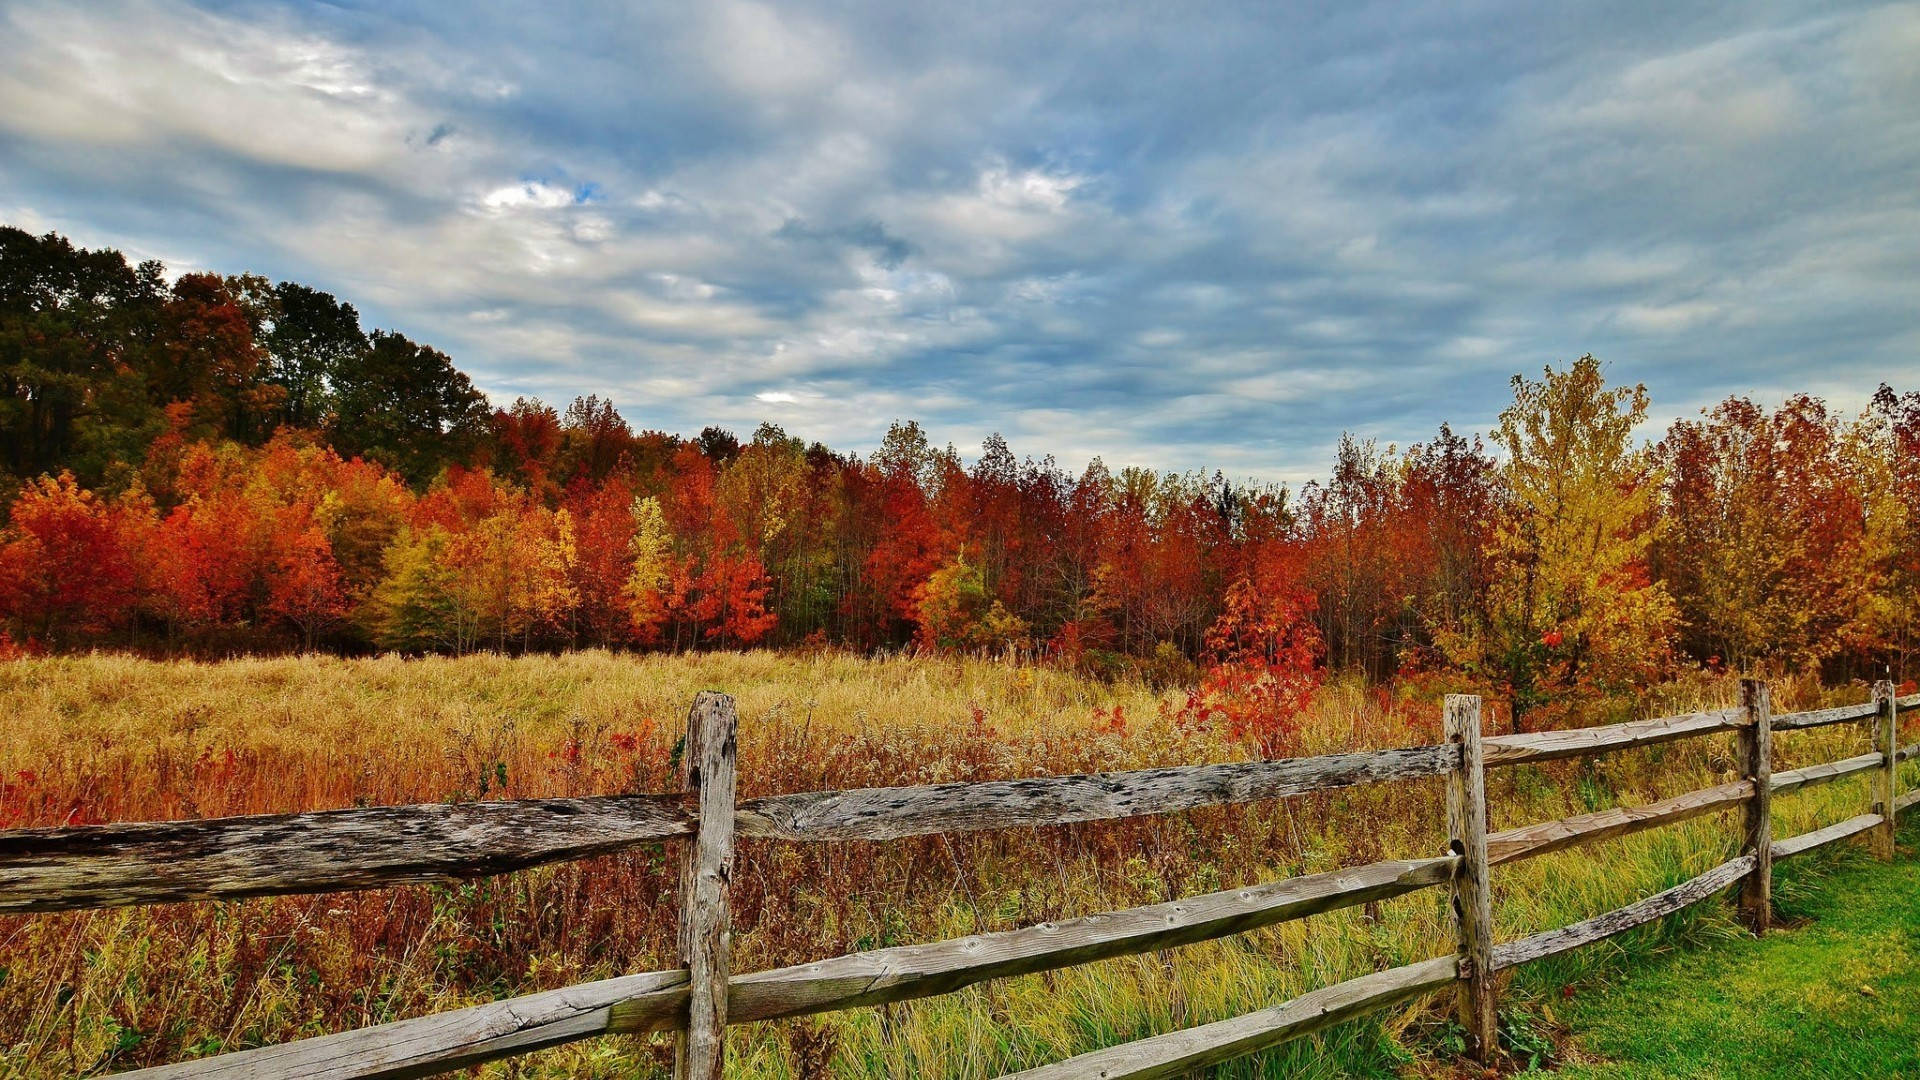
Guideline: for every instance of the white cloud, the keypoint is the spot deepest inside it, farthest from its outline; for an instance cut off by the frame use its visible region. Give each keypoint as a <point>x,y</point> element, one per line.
<point>1667,318</point>
<point>149,73</point>
<point>1027,189</point>
<point>528,195</point>
<point>772,53</point>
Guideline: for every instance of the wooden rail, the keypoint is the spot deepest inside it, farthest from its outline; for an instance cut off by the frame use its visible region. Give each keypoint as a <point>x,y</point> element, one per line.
<point>1580,742</point>
<point>1178,1053</point>
<point>1807,841</point>
<point>1551,836</point>
<point>97,866</point>
<point>1827,773</point>
<point>105,866</point>
<point>1638,913</point>
<point>1822,717</point>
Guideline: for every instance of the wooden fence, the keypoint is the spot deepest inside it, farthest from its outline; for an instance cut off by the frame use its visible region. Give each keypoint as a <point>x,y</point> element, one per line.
<point>114,865</point>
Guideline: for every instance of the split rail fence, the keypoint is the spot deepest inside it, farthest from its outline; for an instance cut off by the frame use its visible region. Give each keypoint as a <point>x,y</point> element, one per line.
<point>113,865</point>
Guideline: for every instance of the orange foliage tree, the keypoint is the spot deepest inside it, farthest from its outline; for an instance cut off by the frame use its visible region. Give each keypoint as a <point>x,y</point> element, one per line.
<point>1262,668</point>
<point>69,560</point>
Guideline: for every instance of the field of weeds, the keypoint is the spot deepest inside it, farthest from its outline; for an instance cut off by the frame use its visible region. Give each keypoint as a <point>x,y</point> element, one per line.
<point>108,738</point>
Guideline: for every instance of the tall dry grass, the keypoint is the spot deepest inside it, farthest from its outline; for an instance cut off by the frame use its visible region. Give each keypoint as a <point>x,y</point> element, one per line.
<point>109,738</point>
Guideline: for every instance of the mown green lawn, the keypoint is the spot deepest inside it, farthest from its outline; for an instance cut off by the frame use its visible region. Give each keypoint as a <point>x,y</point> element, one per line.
<point>1835,994</point>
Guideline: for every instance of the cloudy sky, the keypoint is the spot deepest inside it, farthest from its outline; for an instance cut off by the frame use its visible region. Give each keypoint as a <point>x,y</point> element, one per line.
<point>1169,234</point>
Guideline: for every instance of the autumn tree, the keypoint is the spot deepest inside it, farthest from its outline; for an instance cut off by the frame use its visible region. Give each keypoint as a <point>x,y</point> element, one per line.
<point>419,604</point>
<point>1364,558</point>
<point>903,478</point>
<point>1764,532</point>
<point>1883,451</point>
<point>1262,662</point>
<point>304,586</point>
<point>956,610</point>
<point>785,510</point>
<point>595,438</point>
<point>206,356</point>
<point>526,444</point>
<point>68,560</point>
<point>602,524</point>
<point>1159,576</point>
<point>651,588</point>
<point>1452,496</point>
<point>1573,614</point>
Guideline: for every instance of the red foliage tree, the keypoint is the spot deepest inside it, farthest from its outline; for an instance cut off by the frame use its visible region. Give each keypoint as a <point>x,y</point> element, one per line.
<point>1261,669</point>
<point>68,563</point>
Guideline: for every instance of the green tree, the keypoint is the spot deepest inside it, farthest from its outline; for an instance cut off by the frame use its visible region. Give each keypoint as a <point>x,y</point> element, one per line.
<point>418,606</point>
<point>313,340</point>
<point>73,330</point>
<point>405,405</point>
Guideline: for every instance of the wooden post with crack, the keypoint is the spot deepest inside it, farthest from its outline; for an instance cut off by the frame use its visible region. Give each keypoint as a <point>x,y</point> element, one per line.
<point>1886,739</point>
<point>706,869</point>
<point>1472,894</point>
<point>1756,764</point>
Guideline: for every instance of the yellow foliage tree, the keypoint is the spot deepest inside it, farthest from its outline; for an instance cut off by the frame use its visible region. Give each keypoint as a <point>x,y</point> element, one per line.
<point>1573,615</point>
<point>955,612</point>
<point>419,604</point>
<point>554,598</point>
<point>652,576</point>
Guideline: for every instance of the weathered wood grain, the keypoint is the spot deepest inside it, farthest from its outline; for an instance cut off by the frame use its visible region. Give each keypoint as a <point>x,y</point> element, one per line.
<point>97,866</point>
<point>1906,801</point>
<point>1550,836</point>
<point>1885,728</point>
<point>706,870</point>
<point>1756,826</point>
<point>1639,913</point>
<point>1180,1052</point>
<point>1825,773</point>
<point>1822,717</point>
<point>442,1042</point>
<point>889,813</point>
<point>1548,745</point>
<point>912,971</point>
<point>1807,841</point>
<point>1472,884</point>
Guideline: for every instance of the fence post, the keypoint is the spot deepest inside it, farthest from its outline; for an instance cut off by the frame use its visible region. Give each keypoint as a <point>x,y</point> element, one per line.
<point>1756,762</point>
<point>1886,736</point>
<point>1472,895</point>
<point>707,767</point>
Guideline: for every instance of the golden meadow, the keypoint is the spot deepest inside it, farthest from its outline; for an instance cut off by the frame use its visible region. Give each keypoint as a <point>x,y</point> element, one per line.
<point>112,738</point>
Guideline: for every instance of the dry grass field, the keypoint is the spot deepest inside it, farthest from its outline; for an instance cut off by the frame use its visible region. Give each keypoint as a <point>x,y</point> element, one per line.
<point>109,738</point>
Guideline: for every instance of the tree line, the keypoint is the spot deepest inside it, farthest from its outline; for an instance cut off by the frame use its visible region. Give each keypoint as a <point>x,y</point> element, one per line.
<point>227,463</point>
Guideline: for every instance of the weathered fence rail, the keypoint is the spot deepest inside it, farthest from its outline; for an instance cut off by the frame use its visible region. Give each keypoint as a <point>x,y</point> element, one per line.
<point>145,863</point>
<point>96,866</point>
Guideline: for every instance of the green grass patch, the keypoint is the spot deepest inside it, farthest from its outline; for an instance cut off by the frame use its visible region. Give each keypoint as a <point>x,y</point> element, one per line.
<point>1835,993</point>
